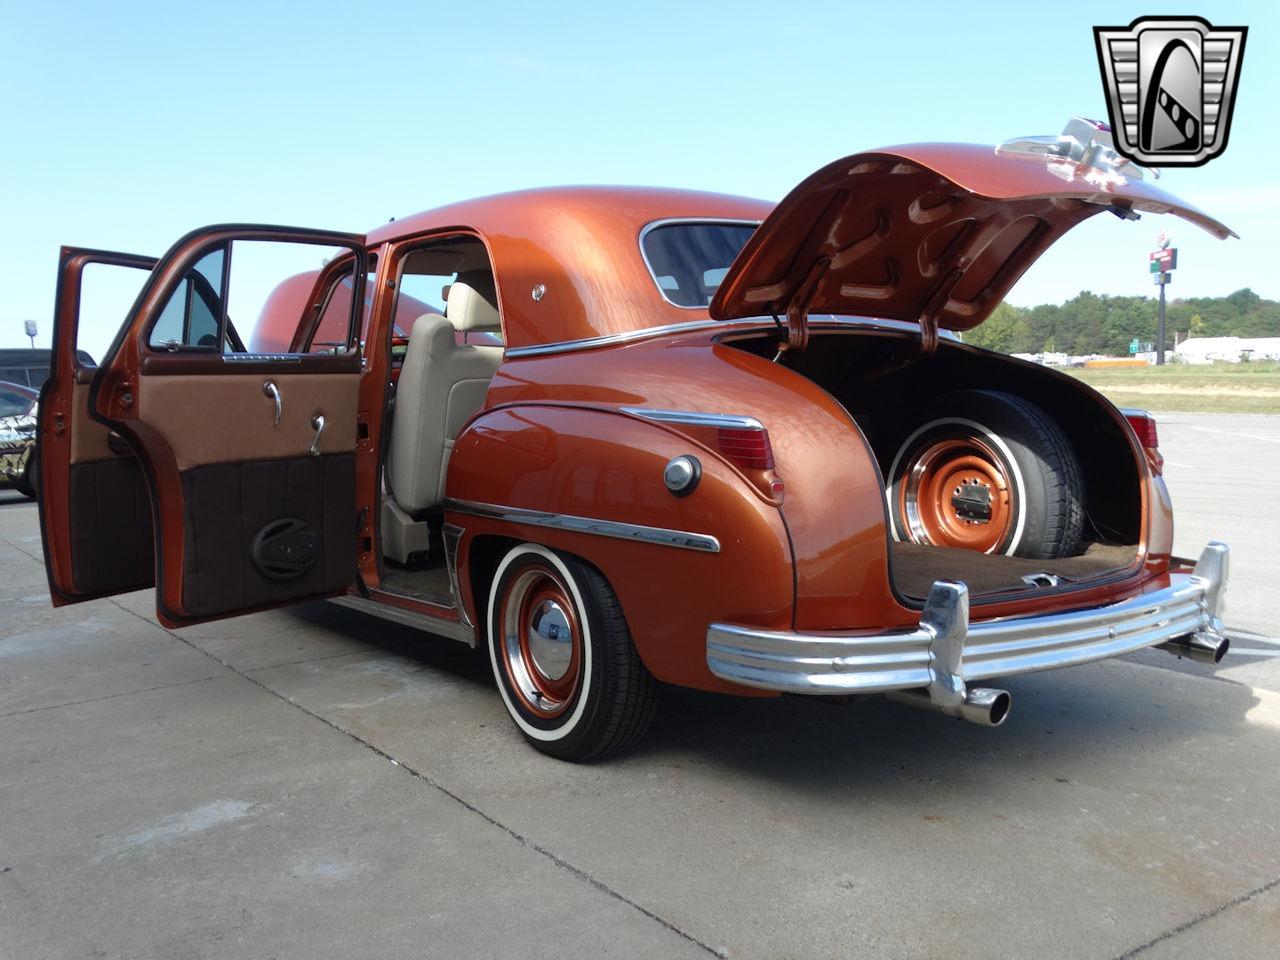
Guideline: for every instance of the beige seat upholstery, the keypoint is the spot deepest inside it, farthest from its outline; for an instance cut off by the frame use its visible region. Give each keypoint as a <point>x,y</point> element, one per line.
<point>442,383</point>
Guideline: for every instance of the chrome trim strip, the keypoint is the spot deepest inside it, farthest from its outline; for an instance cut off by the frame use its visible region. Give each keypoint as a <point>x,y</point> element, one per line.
<point>668,221</point>
<point>695,419</point>
<point>451,534</point>
<point>452,629</point>
<point>601,528</point>
<point>946,651</point>
<point>649,333</point>
<point>592,343</point>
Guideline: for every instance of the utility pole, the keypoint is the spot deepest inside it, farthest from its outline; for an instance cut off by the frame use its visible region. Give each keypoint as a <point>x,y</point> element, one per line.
<point>1160,263</point>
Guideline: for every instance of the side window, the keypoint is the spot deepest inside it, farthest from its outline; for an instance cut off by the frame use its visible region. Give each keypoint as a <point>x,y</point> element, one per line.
<point>107,292</point>
<point>193,314</point>
<point>331,331</point>
<point>253,295</point>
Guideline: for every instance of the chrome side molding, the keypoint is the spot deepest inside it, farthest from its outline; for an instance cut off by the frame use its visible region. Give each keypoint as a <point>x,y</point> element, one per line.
<point>453,629</point>
<point>695,418</point>
<point>682,539</point>
<point>649,333</point>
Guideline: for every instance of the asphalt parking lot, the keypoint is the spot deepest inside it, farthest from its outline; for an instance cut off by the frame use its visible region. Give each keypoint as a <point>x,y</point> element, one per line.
<point>317,783</point>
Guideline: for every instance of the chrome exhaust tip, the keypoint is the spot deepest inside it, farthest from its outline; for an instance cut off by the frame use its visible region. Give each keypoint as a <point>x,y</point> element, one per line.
<point>984,706</point>
<point>1203,647</point>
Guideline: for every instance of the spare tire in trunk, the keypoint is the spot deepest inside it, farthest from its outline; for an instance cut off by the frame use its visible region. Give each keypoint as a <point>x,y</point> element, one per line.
<point>987,471</point>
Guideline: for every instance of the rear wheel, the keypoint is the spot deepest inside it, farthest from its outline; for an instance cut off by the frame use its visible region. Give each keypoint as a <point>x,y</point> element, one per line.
<point>990,472</point>
<point>563,658</point>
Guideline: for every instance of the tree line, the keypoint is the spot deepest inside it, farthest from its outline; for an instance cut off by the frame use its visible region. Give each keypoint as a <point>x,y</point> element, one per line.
<point>1092,323</point>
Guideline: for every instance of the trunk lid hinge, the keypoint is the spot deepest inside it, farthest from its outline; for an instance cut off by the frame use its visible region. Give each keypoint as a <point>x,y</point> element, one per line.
<point>798,308</point>
<point>936,303</point>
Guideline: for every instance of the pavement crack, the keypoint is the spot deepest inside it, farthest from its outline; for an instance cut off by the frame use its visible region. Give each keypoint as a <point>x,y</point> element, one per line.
<point>9,543</point>
<point>109,696</point>
<point>555,858</point>
<point>1200,918</point>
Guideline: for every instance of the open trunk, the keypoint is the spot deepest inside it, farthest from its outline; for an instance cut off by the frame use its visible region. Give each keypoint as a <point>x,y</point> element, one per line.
<point>887,384</point>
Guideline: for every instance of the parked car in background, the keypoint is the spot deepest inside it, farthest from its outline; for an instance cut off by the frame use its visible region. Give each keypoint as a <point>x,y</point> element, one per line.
<point>19,405</point>
<point>29,367</point>
<point>724,444</point>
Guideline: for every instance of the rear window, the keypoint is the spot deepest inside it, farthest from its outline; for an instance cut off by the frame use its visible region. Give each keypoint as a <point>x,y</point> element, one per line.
<point>688,260</point>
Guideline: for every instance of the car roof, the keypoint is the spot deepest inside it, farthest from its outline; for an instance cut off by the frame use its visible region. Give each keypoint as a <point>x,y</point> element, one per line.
<point>581,246</point>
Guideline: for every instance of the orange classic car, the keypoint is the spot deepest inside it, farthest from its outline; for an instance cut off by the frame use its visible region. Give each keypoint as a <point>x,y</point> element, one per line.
<point>635,437</point>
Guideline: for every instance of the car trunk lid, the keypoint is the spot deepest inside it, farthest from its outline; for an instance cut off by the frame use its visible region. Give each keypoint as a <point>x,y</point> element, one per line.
<point>928,233</point>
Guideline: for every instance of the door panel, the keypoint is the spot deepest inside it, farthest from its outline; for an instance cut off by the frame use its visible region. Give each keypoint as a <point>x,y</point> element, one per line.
<point>250,457</point>
<point>95,515</point>
<point>251,432</point>
<point>234,510</point>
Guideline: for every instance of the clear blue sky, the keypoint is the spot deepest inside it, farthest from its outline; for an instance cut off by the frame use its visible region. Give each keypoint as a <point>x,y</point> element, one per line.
<point>127,124</point>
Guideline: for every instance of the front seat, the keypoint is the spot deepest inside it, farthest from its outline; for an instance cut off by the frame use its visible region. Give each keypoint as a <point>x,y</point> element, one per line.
<point>442,383</point>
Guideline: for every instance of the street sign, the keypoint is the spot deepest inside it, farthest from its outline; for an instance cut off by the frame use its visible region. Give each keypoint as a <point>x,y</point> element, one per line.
<point>1162,261</point>
<point>31,328</point>
<point>1133,345</point>
<point>1163,278</point>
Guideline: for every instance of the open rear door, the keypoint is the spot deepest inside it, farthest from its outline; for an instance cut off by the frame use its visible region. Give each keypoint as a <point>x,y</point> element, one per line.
<point>95,518</point>
<point>249,458</point>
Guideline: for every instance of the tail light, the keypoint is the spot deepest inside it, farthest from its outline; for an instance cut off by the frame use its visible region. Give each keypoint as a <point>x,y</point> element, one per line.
<point>749,449</point>
<point>1144,426</point>
<point>741,440</point>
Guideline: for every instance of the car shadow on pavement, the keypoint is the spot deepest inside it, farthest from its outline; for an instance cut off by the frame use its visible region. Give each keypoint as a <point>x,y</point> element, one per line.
<point>388,637</point>
<point>1065,720</point>
<point>9,497</point>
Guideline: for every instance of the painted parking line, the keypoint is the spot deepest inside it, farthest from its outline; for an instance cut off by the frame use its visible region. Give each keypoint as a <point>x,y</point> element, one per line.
<point>1236,433</point>
<point>1247,636</point>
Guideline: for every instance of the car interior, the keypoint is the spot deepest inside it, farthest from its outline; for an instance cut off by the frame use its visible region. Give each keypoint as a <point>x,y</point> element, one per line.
<point>442,380</point>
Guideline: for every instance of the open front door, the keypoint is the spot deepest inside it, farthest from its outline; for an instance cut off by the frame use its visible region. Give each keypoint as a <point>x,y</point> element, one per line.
<point>95,518</point>
<point>249,458</point>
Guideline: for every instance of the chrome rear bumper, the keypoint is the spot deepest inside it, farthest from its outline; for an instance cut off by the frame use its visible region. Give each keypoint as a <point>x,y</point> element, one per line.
<point>946,651</point>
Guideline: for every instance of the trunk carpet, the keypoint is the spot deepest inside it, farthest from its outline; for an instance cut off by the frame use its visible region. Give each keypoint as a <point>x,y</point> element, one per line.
<point>915,567</point>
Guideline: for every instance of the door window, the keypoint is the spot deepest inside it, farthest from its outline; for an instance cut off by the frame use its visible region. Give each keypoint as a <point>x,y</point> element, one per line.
<point>193,315</point>
<point>260,292</point>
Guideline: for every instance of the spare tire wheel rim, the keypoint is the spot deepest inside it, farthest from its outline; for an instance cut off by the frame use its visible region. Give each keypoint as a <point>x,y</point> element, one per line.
<point>541,641</point>
<point>961,490</point>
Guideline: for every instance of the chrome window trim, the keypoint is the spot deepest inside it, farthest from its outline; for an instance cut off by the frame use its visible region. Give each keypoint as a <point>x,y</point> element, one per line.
<point>649,333</point>
<point>685,540</point>
<point>669,221</point>
<point>695,418</point>
<point>608,339</point>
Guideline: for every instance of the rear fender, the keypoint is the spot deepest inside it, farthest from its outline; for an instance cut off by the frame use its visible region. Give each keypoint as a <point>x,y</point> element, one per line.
<point>589,463</point>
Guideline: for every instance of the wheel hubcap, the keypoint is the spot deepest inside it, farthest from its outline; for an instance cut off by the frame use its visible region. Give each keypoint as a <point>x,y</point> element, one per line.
<point>550,639</point>
<point>541,641</point>
<point>957,493</point>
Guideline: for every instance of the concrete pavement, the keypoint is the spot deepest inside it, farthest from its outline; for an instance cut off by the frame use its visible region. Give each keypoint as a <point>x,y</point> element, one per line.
<point>314,783</point>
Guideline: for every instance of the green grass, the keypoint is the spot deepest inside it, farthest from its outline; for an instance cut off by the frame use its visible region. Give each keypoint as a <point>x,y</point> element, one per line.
<point>1187,388</point>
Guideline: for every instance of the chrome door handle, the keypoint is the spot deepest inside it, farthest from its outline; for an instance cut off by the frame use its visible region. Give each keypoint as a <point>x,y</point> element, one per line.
<point>271,390</point>
<point>317,422</point>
